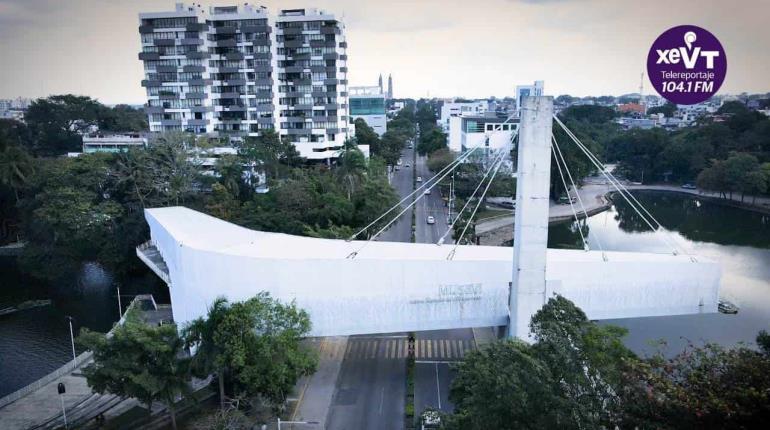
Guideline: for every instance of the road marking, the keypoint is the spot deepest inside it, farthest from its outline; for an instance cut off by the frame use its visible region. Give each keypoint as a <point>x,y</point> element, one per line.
<point>438,389</point>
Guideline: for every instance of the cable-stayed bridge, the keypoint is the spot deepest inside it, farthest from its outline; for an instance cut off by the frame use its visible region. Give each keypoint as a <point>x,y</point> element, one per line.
<point>368,286</point>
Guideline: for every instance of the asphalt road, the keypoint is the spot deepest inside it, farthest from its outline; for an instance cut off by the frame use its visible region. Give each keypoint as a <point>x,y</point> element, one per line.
<point>371,388</point>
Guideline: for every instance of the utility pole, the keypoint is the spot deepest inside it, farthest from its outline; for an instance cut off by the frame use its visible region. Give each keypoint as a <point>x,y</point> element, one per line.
<point>72,338</point>
<point>530,231</point>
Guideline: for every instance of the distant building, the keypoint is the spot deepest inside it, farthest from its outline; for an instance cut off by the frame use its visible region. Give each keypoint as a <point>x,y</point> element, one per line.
<point>631,108</point>
<point>236,71</point>
<point>455,109</point>
<point>528,90</point>
<point>390,87</point>
<point>113,143</point>
<point>643,123</point>
<point>480,131</point>
<point>368,103</point>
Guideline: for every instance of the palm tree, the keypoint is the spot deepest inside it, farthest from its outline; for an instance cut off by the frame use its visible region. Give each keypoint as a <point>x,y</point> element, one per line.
<point>16,167</point>
<point>351,168</point>
<point>200,334</point>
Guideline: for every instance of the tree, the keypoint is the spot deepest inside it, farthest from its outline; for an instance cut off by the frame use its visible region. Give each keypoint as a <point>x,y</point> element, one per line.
<point>16,168</point>
<point>122,118</point>
<point>351,168</point>
<point>567,379</point>
<point>431,139</point>
<point>668,110</point>
<point>438,160</point>
<point>139,360</point>
<point>57,122</point>
<point>271,151</point>
<point>260,346</point>
<point>366,135</point>
<point>200,335</point>
<point>704,387</point>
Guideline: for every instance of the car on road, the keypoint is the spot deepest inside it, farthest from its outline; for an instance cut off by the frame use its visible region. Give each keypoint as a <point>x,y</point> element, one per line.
<point>408,165</point>
<point>431,220</point>
<point>398,167</point>
<point>419,179</point>
<point>689,187</point>
<point>563,200</point>
<point>399,162</point>
<point>427,191</point>
<point>411,146</point>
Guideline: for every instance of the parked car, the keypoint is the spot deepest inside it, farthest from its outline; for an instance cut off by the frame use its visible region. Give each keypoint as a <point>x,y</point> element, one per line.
<point>431,220</point>
<point>564,200</point>
<point>419,179</point>
<point>408,165</point>
<point>689,187</point>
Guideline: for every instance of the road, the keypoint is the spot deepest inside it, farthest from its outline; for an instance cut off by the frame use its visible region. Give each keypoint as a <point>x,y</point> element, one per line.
<point>371,388</point>
<point>370,391</point>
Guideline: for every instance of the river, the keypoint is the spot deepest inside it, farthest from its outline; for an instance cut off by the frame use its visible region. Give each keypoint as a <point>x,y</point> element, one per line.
<point>36,341</point>
<point>736,238</point>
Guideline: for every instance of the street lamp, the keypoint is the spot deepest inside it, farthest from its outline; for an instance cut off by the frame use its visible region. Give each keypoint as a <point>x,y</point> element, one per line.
<point>72,338</point>
<point>61,389</point>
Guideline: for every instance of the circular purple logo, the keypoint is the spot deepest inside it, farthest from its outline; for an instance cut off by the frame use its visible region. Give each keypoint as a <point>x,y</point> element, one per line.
<point>686,65</point>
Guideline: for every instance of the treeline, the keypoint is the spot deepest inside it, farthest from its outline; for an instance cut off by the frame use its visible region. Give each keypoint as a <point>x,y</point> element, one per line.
<point>55,125</point>
<point>727,154</point>
<point>578,374</point>
<point>90,208</point>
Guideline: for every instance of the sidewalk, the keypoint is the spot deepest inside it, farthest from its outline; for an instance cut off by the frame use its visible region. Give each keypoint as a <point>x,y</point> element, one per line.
<point>315,392</point>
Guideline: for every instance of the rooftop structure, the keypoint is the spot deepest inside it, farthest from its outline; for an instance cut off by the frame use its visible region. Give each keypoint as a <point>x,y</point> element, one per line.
<point>368,103</point>
<point>523,91</point>
<point>113,143</point>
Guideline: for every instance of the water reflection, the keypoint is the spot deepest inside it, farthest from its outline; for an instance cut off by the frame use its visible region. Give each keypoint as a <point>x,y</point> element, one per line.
<point>739,240</point>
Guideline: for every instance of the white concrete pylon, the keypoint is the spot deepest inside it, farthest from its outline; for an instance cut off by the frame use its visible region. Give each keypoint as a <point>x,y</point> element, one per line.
<point>530,233</point>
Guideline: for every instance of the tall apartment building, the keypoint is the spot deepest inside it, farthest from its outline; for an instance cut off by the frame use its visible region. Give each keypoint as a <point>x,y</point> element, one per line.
<point>237,70</point>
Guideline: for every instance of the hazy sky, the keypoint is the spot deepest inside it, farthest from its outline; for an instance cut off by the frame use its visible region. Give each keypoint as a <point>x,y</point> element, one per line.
<point>471,48</point>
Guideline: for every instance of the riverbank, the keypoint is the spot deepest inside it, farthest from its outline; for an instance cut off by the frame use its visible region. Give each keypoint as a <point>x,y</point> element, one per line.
<point>597,197</point>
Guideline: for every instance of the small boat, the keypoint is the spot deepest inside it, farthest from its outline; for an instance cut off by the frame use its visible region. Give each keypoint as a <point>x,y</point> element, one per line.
<point>727,307</point>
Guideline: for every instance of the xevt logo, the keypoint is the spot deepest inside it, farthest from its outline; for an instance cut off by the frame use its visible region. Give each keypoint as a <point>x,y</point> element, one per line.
<point>686,65</point>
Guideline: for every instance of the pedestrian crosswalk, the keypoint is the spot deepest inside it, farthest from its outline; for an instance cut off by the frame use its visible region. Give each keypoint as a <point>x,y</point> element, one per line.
<point>395,348</point>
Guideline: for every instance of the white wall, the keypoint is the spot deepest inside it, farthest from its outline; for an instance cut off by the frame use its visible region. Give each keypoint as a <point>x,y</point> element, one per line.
<point>395,287</point>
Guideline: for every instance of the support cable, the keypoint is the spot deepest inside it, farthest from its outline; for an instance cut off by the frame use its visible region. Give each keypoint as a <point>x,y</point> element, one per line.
<point>478,204</point>
<point>468,201</point>
<point>451,166</point>
<point>621,189</point>
<point>571,206</point>
<point>577,193</point>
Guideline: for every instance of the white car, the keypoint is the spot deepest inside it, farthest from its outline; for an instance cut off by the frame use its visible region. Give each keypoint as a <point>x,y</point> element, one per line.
<point>399,162</point>
<point>419,179</point>
<point>431,220</point>
<point>427,191</point>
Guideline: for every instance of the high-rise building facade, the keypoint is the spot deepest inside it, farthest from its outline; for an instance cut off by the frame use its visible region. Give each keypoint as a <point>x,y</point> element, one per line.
<point>236,71</point>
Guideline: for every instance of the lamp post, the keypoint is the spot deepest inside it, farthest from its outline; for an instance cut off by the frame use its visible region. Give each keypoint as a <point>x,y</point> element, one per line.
<point>62,389</point>
<point>72,337</point>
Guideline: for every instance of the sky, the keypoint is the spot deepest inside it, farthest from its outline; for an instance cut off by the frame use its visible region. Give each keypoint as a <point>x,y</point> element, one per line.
<point>433,48</point>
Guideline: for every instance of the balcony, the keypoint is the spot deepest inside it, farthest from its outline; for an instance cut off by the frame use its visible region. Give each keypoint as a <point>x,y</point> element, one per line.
<point>148,83</point>
<point>292,30</point>
<point>197,26</point>
<point>234,56</point>
<point>255,29</point>
<point>195,41</point>
<point>164,42</point>
<point>224,30</point>
<point>197,55</point>
<point>146,29</point>
<point>165,69</point>
<point>144,56</point>
<point>193,69</point>
<point>225,43</point>
<point>330,30</point>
